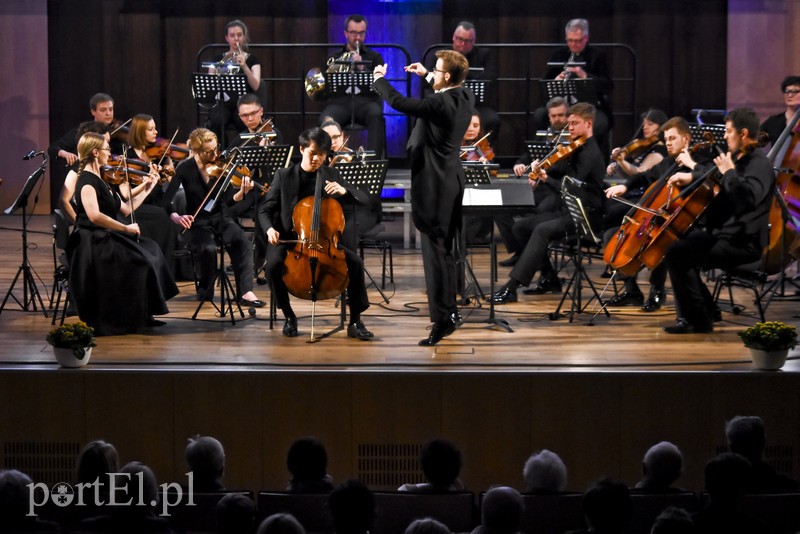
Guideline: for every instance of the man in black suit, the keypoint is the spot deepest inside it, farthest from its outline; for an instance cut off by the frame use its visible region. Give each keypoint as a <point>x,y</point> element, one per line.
<point>464,38</point>
<point>291,185</point>
<point>437,178</point>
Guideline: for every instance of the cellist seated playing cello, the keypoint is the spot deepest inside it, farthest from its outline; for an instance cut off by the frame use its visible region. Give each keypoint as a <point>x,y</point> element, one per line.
<point>289,187</point>
<point>736,224</point>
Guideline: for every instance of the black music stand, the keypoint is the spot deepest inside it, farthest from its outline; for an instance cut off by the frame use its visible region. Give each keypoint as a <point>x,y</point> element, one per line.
<point>208,91</point>
<point>573,90</point>
<point>271,157</point>
<point>227,293</point>
<point>28,282</point>
<point>698,131</point>
<point>583,233</point>
<point>476,174</point>
<point>350,84</point>
<point>479,88</point>
<point>369,177</point>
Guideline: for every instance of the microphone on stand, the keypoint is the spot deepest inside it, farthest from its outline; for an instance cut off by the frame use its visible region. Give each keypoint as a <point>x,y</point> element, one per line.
<point>32,154</point>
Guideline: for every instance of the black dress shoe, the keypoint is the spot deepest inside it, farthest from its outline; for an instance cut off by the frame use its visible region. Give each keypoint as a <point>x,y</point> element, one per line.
<point>509,262</point>
<point>655,300</point>
<point>717,314</point>
<point>258,303</point>
<point>290,327</point>
<point>627,299</point>
<point>457,319</point>
<point>545,285</point>
<point>682,326</point>
<point>439,330</point>
<point>504,294</point>
<point>152,321</point>
<point>357,330</point>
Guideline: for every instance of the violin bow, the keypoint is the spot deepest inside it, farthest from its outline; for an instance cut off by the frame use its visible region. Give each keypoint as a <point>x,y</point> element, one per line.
<point>169,145</point>
<point>121,126</point>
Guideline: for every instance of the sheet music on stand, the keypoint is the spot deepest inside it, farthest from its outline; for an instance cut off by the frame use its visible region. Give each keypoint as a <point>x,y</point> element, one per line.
<point>272,157</point>
<point>206,87</point>
<point>366,175</point>
<point>717,130</point>
<point>340,83</point>
<point>478,87</point>
<point>477,173</point>
<point>573,90</point>
<point>576,210</point>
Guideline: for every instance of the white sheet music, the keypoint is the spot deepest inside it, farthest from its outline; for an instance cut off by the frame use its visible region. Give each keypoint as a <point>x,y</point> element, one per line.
<point>482,197</point>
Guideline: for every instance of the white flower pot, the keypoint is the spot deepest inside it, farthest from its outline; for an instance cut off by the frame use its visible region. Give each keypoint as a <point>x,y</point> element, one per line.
<point>66,358</point>
<point>769,360</point>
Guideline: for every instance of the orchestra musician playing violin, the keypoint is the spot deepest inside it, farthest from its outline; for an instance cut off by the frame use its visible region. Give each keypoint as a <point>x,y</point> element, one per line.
<point>201,176</point>
<point>66,198</point>
<point>101,106</point>
<point>118,279</point>
<point>289,187</point>
<point>586,164</point>
<point>775,124</point>
<point>676,137</point>
<point>736,223</point>
<point>640,154</point>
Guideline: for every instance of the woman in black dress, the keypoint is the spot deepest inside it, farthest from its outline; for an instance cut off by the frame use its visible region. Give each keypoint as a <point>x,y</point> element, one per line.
<point>118,279</point>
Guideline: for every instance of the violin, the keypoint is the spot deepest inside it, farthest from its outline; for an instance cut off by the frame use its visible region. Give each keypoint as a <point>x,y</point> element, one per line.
<point>120,175</point>
<point>482,150</point>
<point>215,169</point>
<point>134,164</point>
<point>557,154</point>
<point>120,130</point>
<point>163,147</point>
<point>636,147</point>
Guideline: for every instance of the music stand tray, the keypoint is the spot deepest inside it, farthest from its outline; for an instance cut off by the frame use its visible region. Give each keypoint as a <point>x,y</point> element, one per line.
<point>476,173</point>
<point>717,130</point>
<point>573,90</point>
<point>271,157</point>
<point>206,88</point>
<point>478,87</point>
<point>340,83</point>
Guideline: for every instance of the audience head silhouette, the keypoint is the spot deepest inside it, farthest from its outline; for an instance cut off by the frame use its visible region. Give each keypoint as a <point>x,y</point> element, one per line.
<point>281,524</point>
<point>15,498</point>
<point>726,478</point>
<point>95,462</point>
<point>352,507</point>
<point>441,463</point>
<point>427,526</point>
<point>746,436</point>
<point>673,520</point>
<point>545,472</point>
<point>501,511</point>
<point>307,461</point>
<point>607,506</point>
<point>206,460</point>
<point>236,514</point>
<point>661,467</point>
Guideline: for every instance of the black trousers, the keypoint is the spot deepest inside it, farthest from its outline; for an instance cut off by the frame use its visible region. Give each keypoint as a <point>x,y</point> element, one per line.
<point>537,232</point>
<point>356,287</point>
<point>702,250</point>
<point>439,264</point>
<point>203,245</point>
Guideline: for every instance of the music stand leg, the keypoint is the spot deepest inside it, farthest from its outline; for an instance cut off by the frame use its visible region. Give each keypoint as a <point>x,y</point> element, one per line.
<point>493,320</point>
<point>226,290</point>
<point>30,292</point>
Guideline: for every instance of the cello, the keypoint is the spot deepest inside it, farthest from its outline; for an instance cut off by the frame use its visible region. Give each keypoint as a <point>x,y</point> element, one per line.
<point>783,232</point>
<point>315,268</point>
<point>640,224</point>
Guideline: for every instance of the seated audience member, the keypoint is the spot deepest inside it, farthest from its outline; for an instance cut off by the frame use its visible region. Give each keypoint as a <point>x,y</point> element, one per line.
<point>95,462</point>
<point>307,461</point>
<point>661,467</point>
<point>206,460</point>
<point>673,520</point>
<point>427,526</point>
<point>140,488</point>
<point>501,511</point>
<point>15,498</point>
<point>726,479</point>
<point>352,507</point>
<point>236,514</point>
<point>441,464</point>
<point>281,524</point>
<point>747,437</point>
<point>607,507</point>
<point>545,472</point>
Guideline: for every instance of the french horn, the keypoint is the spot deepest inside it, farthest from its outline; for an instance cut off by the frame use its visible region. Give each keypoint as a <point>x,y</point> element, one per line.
<point>315,79</point>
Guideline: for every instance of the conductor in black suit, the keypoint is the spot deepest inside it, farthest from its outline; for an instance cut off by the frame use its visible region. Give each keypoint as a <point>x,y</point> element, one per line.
<point>437,178</point>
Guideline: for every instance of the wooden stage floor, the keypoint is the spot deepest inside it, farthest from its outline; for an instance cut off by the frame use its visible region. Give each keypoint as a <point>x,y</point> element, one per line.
<point>627,341</point>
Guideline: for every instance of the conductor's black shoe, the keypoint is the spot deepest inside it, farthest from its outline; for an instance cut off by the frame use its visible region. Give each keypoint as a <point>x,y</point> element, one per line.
<point>262,281</point>
<point>457,319</point>
<point>655,299</point>
<point>439,330</point>
<point>627,299</point>
<point>682,326</point>
<point>152,321</point>
<point>258,303</point>
<point>290,327</point>
<point>357,330</point>
<point>504,294</point>
<point>717,314</point>
<point>509,262</point>
<point>545,285</point>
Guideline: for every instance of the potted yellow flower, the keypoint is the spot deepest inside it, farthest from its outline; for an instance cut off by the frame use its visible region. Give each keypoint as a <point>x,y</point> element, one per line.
<point>72,344</point>
<point>769,343</point>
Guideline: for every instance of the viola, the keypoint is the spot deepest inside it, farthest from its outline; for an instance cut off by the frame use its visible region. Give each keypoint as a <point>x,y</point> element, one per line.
<point>163,147</point>
<point>636,147</point>
<point>624,249</point>
<point>557,154</point>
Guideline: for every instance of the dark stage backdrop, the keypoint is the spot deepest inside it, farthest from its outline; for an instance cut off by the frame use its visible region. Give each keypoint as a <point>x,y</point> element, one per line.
<point>143,52</point>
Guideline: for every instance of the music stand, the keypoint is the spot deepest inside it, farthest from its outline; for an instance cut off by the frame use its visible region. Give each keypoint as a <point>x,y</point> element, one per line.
<point>478,87</point>
<point>573,90</point>
<point>351,83</point>
<point>369,177</point>
<point>583,232</point>
<point>208,89</point>
<point>25,269</point>
<point>698,131</point>
<point>476,174</point>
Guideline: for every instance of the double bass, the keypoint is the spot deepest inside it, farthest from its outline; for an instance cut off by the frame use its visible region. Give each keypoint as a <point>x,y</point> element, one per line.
<point>315,268</point>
